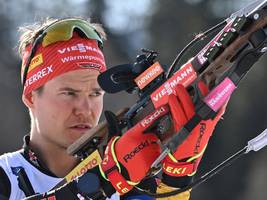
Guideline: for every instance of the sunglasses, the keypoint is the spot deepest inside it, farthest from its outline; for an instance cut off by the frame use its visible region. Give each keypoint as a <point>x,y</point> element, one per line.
<point>60,30</point>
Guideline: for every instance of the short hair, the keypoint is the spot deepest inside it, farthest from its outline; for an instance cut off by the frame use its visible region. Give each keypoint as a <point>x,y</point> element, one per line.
<point>30,32</point>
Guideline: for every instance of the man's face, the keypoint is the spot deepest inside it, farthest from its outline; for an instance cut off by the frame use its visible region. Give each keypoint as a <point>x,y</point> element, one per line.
<point>68,106</point>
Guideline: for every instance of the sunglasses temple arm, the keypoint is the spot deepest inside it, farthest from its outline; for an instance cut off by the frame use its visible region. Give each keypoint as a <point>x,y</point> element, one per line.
<point>33,50</point>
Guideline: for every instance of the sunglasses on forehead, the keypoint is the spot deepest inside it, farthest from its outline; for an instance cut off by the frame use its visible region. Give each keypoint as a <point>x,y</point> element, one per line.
<point>60,30</point>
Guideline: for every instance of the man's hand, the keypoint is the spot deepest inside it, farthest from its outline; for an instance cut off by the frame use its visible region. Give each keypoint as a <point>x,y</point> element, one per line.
<point>185,160</point>
<point>128,158</point>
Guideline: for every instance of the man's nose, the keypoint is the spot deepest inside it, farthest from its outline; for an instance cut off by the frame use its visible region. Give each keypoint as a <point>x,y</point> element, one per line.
<point>83,107</point>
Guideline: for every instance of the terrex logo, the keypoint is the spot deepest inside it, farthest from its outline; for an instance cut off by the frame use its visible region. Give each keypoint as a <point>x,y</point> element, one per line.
<point>39,75</point>
<point>79,47</point>
<point>151,118</point>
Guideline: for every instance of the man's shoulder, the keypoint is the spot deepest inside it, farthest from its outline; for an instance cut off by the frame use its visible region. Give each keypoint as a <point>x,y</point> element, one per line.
<point>9,159</point>
<point>11,156</point>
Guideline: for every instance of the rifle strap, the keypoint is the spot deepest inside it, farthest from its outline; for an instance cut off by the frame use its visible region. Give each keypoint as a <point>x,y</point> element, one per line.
<point>110,169</point>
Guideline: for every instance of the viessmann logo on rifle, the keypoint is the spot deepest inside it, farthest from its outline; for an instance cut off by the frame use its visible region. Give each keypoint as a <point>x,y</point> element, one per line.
<point>185,76</point>
<point>148,75</point>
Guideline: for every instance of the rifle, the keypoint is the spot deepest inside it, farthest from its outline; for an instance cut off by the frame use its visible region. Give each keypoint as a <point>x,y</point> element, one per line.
<point>221,64</point>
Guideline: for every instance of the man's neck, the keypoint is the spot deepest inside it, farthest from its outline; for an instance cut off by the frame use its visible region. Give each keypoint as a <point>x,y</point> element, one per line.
<point>54,158</point>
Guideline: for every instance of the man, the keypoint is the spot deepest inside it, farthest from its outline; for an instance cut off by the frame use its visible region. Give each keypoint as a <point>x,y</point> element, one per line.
<point>61,62</point>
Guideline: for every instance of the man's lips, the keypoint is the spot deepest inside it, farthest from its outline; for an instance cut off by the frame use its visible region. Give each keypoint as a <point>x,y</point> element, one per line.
<point>81,127</point>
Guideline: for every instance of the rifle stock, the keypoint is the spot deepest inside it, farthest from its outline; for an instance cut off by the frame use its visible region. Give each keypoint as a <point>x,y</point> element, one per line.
<point>85,144</point>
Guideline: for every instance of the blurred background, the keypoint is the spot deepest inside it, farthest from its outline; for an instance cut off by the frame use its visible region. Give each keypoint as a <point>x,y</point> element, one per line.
<point>164,26</point>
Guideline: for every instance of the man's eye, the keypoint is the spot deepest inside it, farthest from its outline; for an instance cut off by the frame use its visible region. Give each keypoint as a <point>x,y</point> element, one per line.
<point>69,93</point>
<point>96,94</point>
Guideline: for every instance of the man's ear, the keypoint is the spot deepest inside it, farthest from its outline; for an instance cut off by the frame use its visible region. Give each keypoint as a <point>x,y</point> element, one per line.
<point>28,101</point>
